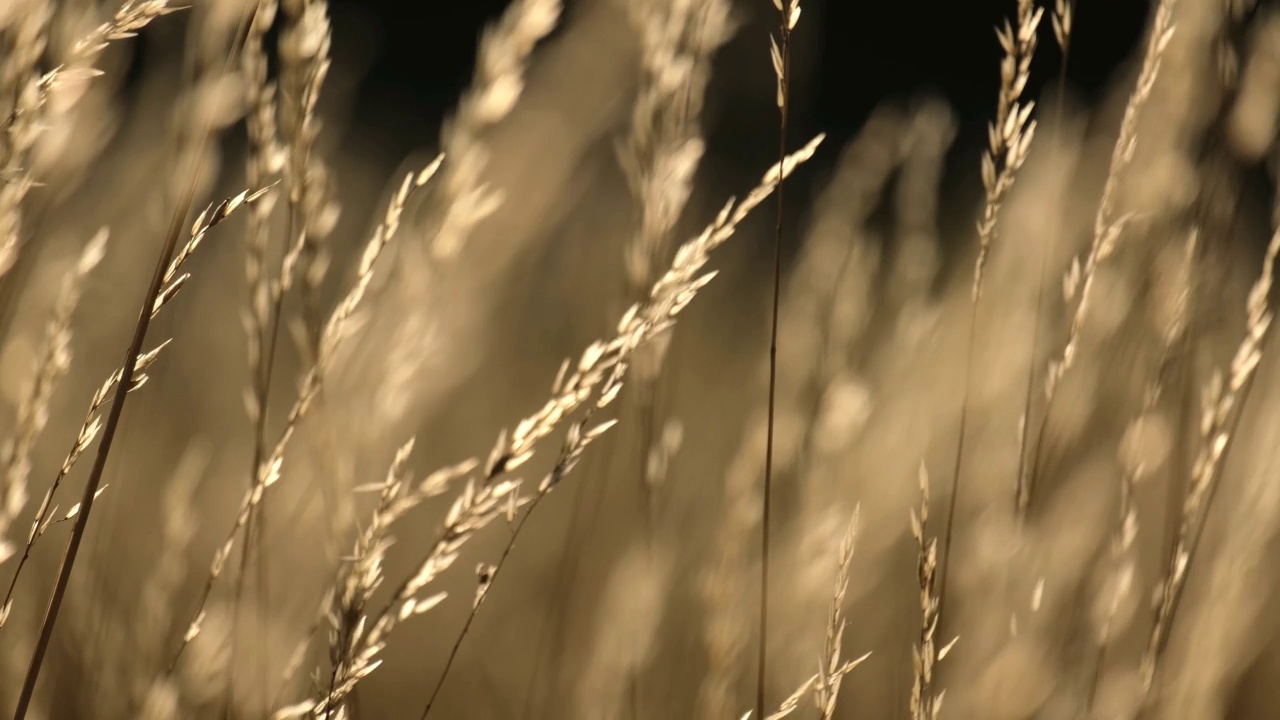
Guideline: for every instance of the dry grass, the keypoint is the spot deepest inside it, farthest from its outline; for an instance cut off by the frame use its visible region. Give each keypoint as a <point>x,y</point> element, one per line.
<point>680,497</point>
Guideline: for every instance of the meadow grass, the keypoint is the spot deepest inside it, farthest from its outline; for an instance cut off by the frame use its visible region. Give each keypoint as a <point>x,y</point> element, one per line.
<point>715,506</point>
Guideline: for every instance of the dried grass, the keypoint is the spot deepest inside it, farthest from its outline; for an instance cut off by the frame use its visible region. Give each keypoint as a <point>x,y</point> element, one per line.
<point>887,356</point>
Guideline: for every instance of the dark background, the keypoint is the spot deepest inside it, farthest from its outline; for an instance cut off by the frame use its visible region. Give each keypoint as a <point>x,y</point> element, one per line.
<point>865,52</point>
<point>416,58</point>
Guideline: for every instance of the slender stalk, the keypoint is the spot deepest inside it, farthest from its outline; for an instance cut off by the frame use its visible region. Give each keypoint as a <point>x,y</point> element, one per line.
<point>782,68</point>
<point>947,533</point>
<point>261,125</point>
<point>1009,139</point>
<point>127,370</point>
<point>1223,409</point>
<point>475,608</point>
<point>1108,226</point>
<point>255,527</point>
<point>1062,20</point>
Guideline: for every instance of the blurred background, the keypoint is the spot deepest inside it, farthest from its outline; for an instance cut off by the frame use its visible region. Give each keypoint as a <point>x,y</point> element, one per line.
<point>632,590</point>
